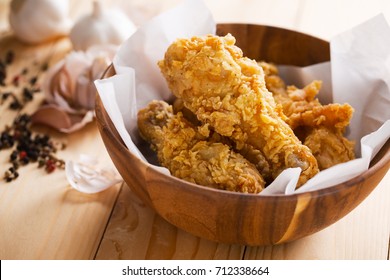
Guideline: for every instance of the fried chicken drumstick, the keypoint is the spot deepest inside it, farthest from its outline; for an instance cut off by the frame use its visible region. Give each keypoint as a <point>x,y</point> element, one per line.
<point>191,156</point>
<point>227,92</point>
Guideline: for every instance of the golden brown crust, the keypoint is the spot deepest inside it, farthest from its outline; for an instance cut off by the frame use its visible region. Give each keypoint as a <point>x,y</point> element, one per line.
<point>319,126</point>
<point>192,156</point>
<point>227,91</point>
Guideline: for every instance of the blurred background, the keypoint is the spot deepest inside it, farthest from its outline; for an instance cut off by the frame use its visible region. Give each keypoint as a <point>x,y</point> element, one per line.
<point>323,18</point>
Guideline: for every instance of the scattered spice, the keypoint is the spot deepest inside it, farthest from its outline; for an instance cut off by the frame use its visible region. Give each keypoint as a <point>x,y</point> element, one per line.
<point>3,74</point>
<point>27,146</point>
<point>9,57</point>
<point>27,89</point>
<point>15,80</point>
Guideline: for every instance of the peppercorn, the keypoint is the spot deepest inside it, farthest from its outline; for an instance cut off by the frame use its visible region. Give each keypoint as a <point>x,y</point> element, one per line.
<point>50,166</point>
<point>25,160</point>
<point>15,105</point>
<point>13,156</point>
<point>30,147</point>
<point>3,74</point>
<point>9,57</point>
<point>4,96</point>
<point>22,154</point>
<point>15,80</point>
<point>33,80</point>
<point>10,174</point>
<point>27,94</point>
<point>41,163</point>
<point>27,146</point>
<point>15,164</point>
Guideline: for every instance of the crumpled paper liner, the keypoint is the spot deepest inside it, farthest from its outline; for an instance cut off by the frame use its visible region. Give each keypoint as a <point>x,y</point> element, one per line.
<point>357,69</point>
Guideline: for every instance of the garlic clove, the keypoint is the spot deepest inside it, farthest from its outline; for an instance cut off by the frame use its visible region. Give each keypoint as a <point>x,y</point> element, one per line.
<point>87,176</point>
<point>63,85</point>
<point>55,117</point>
<point>37,21</point>
<point>70,91</point>
<point>85,87</point>
<point>101,27</point>
<point>52,116</point>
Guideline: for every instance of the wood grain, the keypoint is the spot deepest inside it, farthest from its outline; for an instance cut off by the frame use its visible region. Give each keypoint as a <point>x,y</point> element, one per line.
<point>277,45</point>
<point>42,216</point>
<point>362,234</point>
<point>135,231</point>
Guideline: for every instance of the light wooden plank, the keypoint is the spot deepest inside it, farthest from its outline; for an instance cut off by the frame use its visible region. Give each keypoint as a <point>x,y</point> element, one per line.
<point>136,232</point>
<point>42,217</point>
<point>362,234</point>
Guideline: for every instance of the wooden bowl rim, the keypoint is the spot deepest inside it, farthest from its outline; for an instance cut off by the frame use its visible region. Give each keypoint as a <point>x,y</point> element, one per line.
<point>273,27</point>
<point>102,114</point>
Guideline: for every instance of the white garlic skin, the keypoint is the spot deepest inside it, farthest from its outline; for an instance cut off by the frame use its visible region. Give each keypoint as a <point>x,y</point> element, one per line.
<point>37,21</point>
<point>70,83</point>
<point>101,27</point>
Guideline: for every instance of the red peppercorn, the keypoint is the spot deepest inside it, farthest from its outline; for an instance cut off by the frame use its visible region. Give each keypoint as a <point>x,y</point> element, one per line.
<point>15,80</point>
<point>50,166</point>
<point>22,154</point>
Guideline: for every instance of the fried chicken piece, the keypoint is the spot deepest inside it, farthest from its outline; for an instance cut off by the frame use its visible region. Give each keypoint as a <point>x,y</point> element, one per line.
<point>190,156</point>
<point>319,126</point>
<point>254,156</point>
<point>304,109</point>
<point>301,106</point>
<point>329,146</point>
<point>227,92</point>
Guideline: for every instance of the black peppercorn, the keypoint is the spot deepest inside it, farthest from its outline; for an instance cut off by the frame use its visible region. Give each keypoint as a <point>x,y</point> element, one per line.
<point>33,80</point>
<point>14,156</point>
<point>27,146</point>
<point>30,147</point>
<point>27,94</point>
<point>15,105</point>
<point>9,57</point>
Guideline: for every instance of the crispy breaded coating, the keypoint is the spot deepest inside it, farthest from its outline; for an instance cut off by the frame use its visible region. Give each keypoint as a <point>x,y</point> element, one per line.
<point>191,156</point>
<point>329,146</point>
<point>319,126</point>
<point>227,92</point>
<point>255,156</point>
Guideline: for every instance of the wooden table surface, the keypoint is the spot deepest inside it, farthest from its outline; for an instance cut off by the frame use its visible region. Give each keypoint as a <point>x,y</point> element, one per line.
<point>42,217</point>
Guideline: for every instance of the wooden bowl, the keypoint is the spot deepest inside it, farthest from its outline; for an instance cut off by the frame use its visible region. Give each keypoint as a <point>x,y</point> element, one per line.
<point>242,218</point>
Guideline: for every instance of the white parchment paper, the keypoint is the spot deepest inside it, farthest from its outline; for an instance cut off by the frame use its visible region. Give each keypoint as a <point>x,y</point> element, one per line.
<point>360,75</point>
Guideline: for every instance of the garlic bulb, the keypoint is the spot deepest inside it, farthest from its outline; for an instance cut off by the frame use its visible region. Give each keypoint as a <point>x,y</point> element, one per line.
<point>70,91</point>
<point>69,83</point>
<point>100,28</point>
<point>37,21</point>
